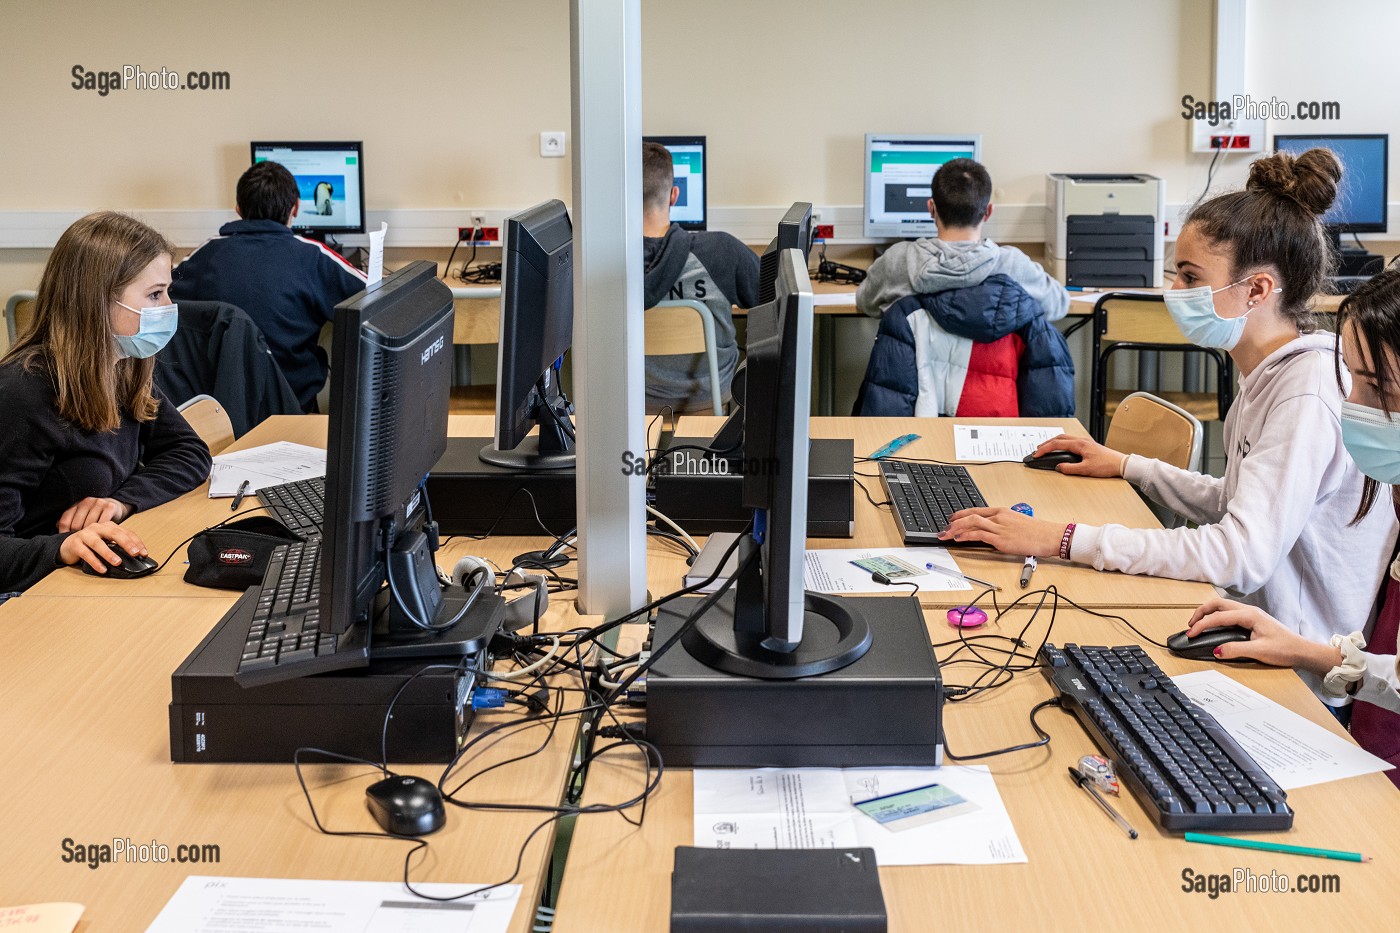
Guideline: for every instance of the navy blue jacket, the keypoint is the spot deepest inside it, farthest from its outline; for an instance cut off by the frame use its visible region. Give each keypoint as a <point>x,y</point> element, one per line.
<point>984,312</point>
<point>287,284</point>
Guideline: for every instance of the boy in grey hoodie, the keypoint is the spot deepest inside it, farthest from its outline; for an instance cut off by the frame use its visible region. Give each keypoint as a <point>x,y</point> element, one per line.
<point>710,267</point>
<point>959,257</point>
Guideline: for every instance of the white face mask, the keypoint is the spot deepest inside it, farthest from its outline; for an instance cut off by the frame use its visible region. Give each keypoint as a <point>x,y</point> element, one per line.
<point>1193,310</point>
<point>157,327</point>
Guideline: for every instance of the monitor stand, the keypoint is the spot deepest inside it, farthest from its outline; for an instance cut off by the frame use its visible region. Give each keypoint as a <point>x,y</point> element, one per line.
<point>551,449</point>
<point>731,635</point>
<point>394,636</point>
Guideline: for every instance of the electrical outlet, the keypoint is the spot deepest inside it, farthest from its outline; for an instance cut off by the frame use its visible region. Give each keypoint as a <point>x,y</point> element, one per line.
<point>478,220</point>
<point>464,233</point>
<point>826,231</point>
<point>552,145</point>
<point>1238,141</point>
<point>491,234</point>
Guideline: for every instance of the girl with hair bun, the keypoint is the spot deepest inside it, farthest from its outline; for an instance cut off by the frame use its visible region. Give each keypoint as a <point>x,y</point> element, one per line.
<point>1273,531</point>
<point>85,437</point>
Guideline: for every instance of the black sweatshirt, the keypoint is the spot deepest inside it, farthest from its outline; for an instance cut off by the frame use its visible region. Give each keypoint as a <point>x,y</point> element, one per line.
<point>48,464</point>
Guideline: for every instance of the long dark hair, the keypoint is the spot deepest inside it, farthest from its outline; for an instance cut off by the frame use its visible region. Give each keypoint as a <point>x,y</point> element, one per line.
<point>1373,313</point>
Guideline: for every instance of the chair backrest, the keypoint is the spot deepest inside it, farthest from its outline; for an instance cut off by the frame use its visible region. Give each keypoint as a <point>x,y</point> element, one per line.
<point>1137,319</point>
<point>218,350</point>
<point>19,313</point>
<point>678,327</point>
<point>1152,427</point>
<point>477,318</point>
<point>210,421</point>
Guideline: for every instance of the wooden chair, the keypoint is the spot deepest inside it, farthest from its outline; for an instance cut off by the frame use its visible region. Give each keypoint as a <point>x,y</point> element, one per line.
<point>680,327</point>
<point>210,421</point>
<point>19,313</point>
<point>477,321</point>
<point>1148,426</point>
<point>1134,322</point>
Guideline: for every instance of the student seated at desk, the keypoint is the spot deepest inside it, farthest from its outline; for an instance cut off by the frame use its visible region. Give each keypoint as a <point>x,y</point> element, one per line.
<point>287,284</point>
<point>85,438</point>
<point>965,324</point>
<point>713,268</point>
<point>1369,322</point>
<point>959,257</point>
<point>1278,529</point>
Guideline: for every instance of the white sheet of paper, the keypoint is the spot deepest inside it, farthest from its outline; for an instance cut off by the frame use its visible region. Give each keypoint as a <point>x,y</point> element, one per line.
<point>268,465</point>
<point>983,442</point>
<point>376,254</point>
<point>834,299</point>
<point>288,905</point>
<point>1294,751</point>
<point>831,571</point>
<point>812,808</point>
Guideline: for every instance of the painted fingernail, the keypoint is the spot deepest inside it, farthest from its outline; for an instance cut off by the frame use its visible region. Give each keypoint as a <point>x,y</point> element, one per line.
<point>1216,652</point>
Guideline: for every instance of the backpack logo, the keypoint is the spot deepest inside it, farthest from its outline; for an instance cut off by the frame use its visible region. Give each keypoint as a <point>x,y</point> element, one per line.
<point>235,556</point>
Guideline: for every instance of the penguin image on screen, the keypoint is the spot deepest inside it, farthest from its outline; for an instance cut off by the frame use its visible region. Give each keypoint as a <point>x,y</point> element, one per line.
<point>323,198</point>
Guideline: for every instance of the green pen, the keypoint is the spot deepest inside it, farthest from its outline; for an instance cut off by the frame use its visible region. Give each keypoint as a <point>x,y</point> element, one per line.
<point>1208,839</point>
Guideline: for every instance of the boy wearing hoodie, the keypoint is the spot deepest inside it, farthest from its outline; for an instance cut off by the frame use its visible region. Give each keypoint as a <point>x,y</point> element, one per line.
<point>711,267</point>
<point>959,257</point>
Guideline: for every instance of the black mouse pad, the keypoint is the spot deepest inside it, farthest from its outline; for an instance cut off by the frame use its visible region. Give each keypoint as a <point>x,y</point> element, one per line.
<point>751,890</point>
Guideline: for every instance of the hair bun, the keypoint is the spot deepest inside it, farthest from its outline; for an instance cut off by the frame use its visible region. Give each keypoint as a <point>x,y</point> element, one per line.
<point>1310,179</point>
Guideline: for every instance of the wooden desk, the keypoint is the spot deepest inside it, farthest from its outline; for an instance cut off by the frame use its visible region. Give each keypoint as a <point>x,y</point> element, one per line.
<point>1055,497</point>
<point>84,701</point>
<point>1082,872</point>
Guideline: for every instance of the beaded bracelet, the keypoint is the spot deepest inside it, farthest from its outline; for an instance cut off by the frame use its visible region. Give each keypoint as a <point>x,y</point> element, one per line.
<point>1065,540</point>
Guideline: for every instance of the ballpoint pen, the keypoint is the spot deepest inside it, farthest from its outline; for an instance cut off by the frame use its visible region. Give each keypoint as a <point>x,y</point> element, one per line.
<point>1028,567</point>
<point>238,496</point>
<point>1093,791</point>
<point>959,574</point>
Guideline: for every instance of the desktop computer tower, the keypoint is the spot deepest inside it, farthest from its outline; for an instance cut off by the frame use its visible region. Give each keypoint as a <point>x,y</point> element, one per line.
<point>884,709</point>
<point>214,720</point>
<point>703,493</point>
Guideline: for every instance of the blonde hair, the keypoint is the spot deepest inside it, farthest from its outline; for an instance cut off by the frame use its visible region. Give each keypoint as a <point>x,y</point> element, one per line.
<point>72,339</point>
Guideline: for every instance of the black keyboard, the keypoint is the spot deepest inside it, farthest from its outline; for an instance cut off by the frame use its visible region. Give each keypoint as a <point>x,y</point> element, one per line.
<point>1184,768</point>
<point>299,505</point>
<point>284,639</point>
<point>924,496</point>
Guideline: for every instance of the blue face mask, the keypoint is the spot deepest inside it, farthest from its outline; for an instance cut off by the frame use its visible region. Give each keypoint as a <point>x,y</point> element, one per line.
<point>1373,440</point>
<point>1193,310</point>
<point>157,327</point>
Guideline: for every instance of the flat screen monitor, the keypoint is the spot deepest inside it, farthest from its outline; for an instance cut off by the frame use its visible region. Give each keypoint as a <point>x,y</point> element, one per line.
<point>772,628</point>
<point>391,369</point>
<point>330,183</point>
<point>1361,201</point>
<point>537,329</point>
<point>688,157</point>
<point>794,232</point>
<point>899,171</point>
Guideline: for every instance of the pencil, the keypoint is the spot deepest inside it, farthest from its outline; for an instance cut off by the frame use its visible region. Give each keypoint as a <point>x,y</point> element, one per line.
<point>1209,839</point>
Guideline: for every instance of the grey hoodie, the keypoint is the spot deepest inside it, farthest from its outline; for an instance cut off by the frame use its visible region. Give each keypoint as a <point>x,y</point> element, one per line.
<point>930,266</point>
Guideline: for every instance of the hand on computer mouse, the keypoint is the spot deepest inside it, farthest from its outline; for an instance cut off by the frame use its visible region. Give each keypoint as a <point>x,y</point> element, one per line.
<point>89,546</point>
<point>1270,641</point>
<point>1095,459</point>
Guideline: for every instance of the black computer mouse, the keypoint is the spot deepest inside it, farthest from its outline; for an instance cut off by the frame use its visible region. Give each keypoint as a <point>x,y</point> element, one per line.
<point>406,805</point>
<point>130,568</point>
<point>1051,459</point>
<point>1202,647</point>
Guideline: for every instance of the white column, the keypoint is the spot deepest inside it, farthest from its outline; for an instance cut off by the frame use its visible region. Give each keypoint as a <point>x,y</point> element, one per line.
<point>608,365</point>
